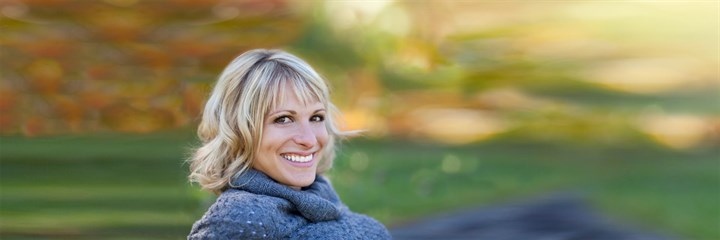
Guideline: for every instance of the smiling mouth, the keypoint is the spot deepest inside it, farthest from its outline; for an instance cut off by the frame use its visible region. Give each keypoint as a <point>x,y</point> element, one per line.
<point>298,158</point>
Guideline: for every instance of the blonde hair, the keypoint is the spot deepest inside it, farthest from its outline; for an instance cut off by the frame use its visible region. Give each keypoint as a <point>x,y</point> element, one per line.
<point>232,122</point>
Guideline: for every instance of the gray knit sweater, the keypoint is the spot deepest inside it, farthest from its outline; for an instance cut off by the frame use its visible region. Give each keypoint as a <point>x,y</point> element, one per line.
<point>257,207</point>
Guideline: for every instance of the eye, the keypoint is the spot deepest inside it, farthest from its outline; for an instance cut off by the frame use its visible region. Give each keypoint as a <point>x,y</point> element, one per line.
<point>283,120</point>
<point>317,118</point>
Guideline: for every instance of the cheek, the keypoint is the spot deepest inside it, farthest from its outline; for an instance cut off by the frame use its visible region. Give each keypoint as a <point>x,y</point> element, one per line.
<point>271,139</point>
<point>321,133</point>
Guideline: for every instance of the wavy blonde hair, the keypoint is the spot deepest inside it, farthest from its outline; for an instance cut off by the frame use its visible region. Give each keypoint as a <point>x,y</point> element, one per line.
<point>232,122</point>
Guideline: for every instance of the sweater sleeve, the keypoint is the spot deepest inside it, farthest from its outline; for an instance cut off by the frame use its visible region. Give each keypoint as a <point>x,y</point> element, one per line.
<point>235,216</point>
<point>217,228</point>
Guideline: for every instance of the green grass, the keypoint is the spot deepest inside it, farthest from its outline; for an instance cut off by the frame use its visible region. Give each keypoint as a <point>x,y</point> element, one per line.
<point>106,186</point>
<point>643,186</point>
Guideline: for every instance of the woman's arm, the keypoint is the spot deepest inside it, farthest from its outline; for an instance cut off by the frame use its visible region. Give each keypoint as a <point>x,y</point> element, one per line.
<point>237,215</point>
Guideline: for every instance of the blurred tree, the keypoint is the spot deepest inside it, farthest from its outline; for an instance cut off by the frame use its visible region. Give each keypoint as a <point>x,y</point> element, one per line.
<point>123,65</point>
<point>76,66</point>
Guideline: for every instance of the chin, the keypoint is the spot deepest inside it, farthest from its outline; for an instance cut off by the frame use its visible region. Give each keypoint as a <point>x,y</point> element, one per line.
<point>303,181</point>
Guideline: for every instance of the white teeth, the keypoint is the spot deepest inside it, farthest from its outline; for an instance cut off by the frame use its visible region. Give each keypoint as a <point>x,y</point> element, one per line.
<point>298,158</point>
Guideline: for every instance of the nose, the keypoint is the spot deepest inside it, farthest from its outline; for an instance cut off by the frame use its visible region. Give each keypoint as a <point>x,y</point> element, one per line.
<point>305,136</point>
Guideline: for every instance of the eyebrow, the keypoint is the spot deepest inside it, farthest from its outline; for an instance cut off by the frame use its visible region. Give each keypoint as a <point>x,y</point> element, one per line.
<point>294,112</point>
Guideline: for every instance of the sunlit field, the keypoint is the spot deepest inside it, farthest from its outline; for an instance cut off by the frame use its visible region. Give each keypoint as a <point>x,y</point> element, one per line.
<point>134,185</point>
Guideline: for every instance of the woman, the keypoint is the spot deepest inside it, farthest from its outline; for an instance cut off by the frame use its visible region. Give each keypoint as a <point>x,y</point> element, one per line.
<point>268,134</point>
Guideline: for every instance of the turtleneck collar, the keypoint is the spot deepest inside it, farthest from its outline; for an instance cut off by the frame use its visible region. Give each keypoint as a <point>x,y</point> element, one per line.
<point>317,202</point>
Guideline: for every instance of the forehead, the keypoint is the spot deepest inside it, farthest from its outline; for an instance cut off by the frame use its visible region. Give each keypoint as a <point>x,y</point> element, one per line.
<point>290,95</point>
<point>290,99</point>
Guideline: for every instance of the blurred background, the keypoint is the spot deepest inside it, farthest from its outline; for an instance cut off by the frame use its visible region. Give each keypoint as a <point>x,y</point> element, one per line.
<point>465,103</point>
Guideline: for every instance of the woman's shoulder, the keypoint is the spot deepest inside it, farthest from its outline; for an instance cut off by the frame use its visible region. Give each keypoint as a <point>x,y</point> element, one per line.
<point>237,198</point>
<point>238,214</point>
<point>242,205</point>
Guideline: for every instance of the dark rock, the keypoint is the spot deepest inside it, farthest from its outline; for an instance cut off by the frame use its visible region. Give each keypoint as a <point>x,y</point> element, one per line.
<point>559,217</point>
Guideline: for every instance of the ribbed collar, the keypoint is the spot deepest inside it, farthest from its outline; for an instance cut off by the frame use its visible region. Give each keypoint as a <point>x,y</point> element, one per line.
<point>317,202</point>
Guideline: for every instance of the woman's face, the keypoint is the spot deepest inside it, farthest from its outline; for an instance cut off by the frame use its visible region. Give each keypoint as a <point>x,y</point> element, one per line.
<point>293,137</point>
